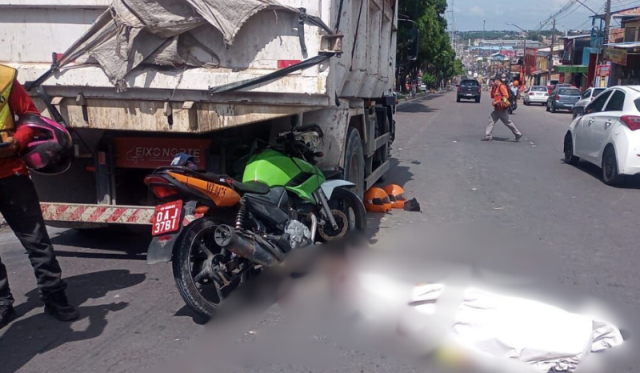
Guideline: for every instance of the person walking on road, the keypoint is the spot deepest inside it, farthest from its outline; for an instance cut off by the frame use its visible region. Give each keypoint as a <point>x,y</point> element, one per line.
<point>501,104</point>
<point>20,206</point>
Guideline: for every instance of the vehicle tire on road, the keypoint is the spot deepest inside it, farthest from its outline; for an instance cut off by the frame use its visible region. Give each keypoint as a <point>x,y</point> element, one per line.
<point>569,158</point>
<point>354,161</point>
<point>610,174</point>
<point>207,298</point>
<point>478,100</point>
<point>553,108</point>
<point>458,99</point>
<point>548,107</point>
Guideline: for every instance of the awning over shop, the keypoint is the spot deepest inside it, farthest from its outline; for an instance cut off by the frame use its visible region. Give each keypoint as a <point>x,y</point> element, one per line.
<point>572,69</point>
<point>627,45</point>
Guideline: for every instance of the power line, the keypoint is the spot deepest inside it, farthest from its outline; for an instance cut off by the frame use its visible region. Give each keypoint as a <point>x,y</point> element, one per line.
<point>569,13</point>
<point>589,20</point>
<point>565,8</point>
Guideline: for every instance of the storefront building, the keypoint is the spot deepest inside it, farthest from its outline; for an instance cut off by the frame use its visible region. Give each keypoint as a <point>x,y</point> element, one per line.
<point>625,56</point>
<point>575,60</point>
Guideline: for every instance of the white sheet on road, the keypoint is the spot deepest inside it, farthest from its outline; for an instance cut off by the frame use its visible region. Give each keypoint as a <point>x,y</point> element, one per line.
<point>493,325</point>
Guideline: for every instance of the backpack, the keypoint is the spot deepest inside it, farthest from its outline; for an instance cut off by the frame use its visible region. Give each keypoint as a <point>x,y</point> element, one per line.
<point>512,97</point>
<point>505,103</point>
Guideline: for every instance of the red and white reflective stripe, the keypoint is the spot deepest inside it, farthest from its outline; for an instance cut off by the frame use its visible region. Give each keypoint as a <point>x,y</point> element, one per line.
<point>97,213</point>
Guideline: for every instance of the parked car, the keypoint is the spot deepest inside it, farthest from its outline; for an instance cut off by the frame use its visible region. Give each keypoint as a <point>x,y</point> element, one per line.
<point>537,94</point>
<point>469,89</point>
<point>553,86</point>
<point>608,134</point>
<point>563,98</point>
<point>587,97</point>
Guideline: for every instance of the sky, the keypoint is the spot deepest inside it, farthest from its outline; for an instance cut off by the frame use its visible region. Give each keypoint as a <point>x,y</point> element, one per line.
<point>469,14</point>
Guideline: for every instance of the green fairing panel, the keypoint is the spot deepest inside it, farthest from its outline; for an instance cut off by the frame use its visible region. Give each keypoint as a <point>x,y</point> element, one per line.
<point>306,189</point>
<point>276,169</point>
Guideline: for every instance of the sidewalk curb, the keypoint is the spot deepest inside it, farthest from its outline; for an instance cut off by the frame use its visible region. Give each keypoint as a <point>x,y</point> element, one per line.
<point>418,97</point>
<point>409,100</point>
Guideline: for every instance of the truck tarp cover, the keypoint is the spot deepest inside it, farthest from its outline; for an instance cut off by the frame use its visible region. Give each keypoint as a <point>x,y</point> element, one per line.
<point>157,32</point>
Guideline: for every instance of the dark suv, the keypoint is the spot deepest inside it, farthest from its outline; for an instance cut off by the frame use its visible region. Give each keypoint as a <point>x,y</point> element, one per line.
<point>469,89</point>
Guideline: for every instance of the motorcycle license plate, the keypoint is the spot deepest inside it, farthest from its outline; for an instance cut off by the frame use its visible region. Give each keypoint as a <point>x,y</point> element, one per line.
<point>167,218</point>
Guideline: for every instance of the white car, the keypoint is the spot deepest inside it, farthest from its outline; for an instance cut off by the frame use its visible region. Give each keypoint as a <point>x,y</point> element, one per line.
<point>537,94</point>
<point>588,96</point>
<point>608,134</point>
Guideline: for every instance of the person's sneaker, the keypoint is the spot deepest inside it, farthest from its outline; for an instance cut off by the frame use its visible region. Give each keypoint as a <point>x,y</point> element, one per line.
<point>57,305</point>
<point>487,139</point>
<point>7,314</point>
<point>518,137</point>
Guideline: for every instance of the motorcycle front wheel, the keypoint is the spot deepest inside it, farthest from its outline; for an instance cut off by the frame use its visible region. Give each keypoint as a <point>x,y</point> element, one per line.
<point>197,264</point>
<point>348,211</point>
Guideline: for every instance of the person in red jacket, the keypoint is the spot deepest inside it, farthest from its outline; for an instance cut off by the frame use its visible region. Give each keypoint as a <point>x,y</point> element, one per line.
<point>500,96</point>
<point>20,206</point>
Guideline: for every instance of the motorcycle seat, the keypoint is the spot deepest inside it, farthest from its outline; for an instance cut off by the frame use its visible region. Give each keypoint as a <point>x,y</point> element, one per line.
<point>254,187</point>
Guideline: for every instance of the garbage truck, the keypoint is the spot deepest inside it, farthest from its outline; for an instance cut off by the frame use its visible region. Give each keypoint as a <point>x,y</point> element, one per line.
<point>137,81</point>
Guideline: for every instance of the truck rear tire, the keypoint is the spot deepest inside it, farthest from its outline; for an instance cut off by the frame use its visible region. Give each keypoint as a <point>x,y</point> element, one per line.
<point>354,161</point>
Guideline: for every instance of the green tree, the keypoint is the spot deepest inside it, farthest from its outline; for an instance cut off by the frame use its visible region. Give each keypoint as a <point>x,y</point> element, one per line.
<point>535,36</point>
<point>429,80</point>
<point>436,57</point>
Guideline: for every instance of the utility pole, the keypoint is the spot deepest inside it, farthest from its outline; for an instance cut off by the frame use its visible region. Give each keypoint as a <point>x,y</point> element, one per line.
<point>553,42</point>
<point>453,15</point>
<point>484,24</point>
<point>607,23</point>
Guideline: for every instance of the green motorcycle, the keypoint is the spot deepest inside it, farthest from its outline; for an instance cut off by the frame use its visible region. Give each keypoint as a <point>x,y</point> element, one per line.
<point>219,232</point>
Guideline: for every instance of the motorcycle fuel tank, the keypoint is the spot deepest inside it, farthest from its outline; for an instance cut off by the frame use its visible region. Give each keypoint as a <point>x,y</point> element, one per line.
<point>276,169</point>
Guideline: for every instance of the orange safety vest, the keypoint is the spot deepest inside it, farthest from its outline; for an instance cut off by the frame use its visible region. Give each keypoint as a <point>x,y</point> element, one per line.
<point>7,77</point>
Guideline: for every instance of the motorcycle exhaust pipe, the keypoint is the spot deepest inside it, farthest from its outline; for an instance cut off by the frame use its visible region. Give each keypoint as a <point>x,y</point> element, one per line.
<point>248,246</point>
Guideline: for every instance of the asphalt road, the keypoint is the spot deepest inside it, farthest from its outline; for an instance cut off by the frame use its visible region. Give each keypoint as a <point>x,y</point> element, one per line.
<point>133,318</point>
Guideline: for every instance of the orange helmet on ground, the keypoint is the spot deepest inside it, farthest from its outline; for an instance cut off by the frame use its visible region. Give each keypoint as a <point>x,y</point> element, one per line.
<point>396,195</point>
<point>377,200</point>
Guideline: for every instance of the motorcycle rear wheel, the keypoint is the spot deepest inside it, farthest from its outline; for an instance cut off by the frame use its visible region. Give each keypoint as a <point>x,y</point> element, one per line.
<point>193,253</point>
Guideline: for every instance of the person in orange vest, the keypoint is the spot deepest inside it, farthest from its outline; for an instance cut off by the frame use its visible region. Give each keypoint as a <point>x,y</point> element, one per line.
<point>500,96</point>
<point>20,206</point>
